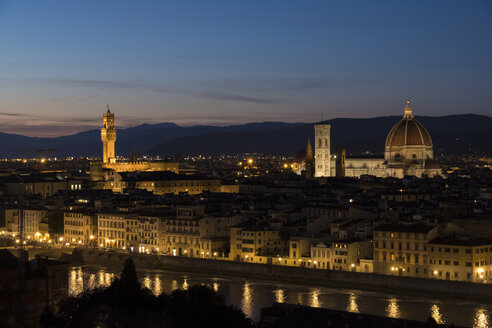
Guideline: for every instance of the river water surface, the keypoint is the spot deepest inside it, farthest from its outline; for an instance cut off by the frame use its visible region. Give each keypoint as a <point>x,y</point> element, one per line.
<point>250,295</point>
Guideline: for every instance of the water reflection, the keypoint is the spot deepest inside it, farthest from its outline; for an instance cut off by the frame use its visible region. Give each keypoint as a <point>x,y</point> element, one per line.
<point>247,304</point>
<point>174,285</point>
<point>299,298</point>
<point>157,286</point>
<point>352,303</point>
<point>393,310</point>
<point>92,281</point>
<point>314,299</point>
<point>147,283</point>
<point>105,278</point>
<point>76,282</point>
<point>436,314</point>
<point>279,296</point>
<point>481,319</point>
<point>254,295</point>
<point>216,287</point>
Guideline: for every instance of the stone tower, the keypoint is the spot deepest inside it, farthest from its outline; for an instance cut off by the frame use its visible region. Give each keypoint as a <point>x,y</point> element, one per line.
<point>309,161</point>
<point>108,137</point>
<point>340,164</point>
<point>322,150</point>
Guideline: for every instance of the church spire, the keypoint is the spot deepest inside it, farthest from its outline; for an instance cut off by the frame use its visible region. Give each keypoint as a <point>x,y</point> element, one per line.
<point>408,111</point>
<point>309,149</point>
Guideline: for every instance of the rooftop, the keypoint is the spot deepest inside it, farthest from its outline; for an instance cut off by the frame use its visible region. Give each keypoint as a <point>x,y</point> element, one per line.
<point>399,227</point>
<point>464,241</point>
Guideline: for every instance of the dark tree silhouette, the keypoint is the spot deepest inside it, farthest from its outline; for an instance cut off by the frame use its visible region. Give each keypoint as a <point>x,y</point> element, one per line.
<point>126,304</point>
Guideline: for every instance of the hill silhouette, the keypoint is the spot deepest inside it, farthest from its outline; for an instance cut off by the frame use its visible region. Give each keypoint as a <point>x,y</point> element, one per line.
<point>468,133</point>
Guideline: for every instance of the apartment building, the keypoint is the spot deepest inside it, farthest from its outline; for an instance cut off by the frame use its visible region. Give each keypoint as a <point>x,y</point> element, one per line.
<point>461,258</point>
<point>132,233</point>
<point>321,255</point>
<point>32,217</point>
<point>112,230</point>
<point>148,234</point>
<point>402,249</point>
<point>80,228</point>
<point>346,254</point>
<point>248,243</point>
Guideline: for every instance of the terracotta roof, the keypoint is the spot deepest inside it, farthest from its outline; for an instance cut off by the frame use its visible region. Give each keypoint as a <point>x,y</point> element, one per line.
<point>408,132</point>
<point>397,227</point>
<point>461,241</point>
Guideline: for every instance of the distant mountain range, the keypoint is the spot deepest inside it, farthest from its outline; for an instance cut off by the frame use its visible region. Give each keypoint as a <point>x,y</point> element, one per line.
<point>450,134</point>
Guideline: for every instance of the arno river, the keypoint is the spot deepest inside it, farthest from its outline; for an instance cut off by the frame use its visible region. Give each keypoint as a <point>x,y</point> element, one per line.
<point>251,295</point>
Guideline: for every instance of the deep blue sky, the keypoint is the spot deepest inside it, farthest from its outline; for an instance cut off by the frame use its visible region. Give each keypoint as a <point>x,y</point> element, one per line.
<point>223,62</point>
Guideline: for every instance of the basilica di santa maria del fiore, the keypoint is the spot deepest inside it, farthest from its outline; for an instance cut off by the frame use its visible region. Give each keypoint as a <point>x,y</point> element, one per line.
<point>408,151</point>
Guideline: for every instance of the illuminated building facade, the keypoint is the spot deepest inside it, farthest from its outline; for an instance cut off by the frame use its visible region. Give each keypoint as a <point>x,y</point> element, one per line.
<point>34,221</point>
<point>112,230</point>
<point>80,228</point>
<point>461,259</point>
<point>250,244</point>
<point>403,249</point>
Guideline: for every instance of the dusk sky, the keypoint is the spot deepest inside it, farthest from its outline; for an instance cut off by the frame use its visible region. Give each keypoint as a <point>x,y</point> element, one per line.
<point>228,62</point>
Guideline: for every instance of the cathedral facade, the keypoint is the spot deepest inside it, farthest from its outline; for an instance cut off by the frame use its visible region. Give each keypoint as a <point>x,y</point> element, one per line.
<point>408,151</point>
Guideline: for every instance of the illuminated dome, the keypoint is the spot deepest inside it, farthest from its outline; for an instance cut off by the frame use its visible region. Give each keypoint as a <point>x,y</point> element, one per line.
<point>408,140</point>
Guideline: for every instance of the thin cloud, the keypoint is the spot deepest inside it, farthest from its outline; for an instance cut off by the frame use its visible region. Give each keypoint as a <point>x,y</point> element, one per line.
<point>234,97</point>
<point>10,114</point>
<point>102,83</point>
<point>82,99</point>
<point>263,85</point>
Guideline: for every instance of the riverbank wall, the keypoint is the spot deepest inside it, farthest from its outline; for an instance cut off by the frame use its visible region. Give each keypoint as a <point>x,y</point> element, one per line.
<point>307,276</point>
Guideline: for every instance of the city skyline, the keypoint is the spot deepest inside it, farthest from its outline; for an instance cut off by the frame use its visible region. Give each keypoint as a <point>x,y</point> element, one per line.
<point>220,63</point>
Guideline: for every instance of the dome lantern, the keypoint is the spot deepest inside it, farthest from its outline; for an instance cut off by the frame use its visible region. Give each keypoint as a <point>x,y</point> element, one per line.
<point>408,111</point>
<point>408,139</point>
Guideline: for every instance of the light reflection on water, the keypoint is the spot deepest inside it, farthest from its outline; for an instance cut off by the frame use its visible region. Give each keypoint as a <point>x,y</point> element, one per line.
<point>279,296</point>
<point>393,309</point>
<point>481,319</point>
<point>247,300</point>
<point>436,314</point>
<point>314,299</point>
<point>352,303</point>
<point>252,295</point>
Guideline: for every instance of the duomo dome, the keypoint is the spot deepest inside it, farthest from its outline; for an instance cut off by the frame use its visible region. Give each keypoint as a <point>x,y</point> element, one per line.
<point>408,140</point>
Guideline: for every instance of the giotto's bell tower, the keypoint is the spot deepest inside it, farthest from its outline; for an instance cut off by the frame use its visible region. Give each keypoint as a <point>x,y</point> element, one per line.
<point>322,150</point>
